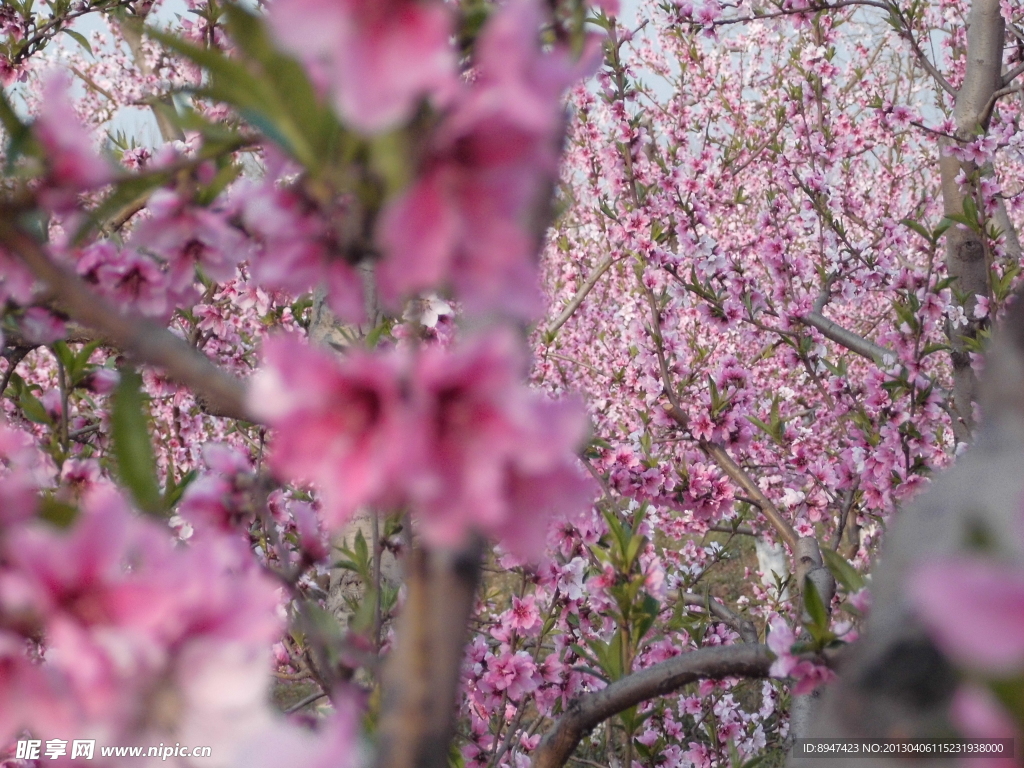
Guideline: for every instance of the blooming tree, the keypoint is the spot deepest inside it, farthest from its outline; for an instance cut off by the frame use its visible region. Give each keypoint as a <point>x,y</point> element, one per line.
<point>295,459</point>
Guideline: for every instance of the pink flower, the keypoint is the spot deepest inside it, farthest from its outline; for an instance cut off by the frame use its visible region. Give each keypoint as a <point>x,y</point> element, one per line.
<point>189,237</point>
<point>457,435</point>
<point>806,674</point>
<point>524,614</point>
<point>378,58</point>
<point>30,697</point>
<point>341,425</point>
<point>127,277</point>
<point>515,673</point>
<point>975,611</point>
<point>9,74</point>
<point>125,615</point>
<point>979,715</point>
<point>70,153</point>
<point>16,282</point>
<point>41,326</point>
<point>465,221</point>
<point>24,469</point>
<point>494,457</point>
<point>294,252</point>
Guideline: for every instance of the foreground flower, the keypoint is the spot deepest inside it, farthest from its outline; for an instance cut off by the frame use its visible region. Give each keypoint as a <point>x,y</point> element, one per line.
<point>377,58</point>
<point>72,160</point>
<point>975,611</point>
<point>455,435</point>
<point>340,425</point>
<point>129,623</point>
<point>467,219</point>
<point>806,674</point>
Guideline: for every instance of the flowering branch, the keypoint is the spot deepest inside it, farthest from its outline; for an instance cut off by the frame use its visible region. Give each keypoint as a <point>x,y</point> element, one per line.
<point>895,680</point>
<point>587,711</point>
<point>220,393</point>
<point>581,294</point>
<point>744,627</point>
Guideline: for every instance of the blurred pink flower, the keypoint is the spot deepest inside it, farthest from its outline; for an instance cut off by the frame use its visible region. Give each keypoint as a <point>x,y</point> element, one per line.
<point>806,674</point>
<point>42,326</point>
<point>377,58</point>
<point>129,278</point>
<point>119,605</point>
<point>74,164</point>
<point>188,237</point>
<point>975,611</point>
<point>293,250</point>
<point>24,469</point>
<point>979,715</point>
<point>456,434</point>
<point>494,456</point>
<point>466,220</point>
<point>340,425</point>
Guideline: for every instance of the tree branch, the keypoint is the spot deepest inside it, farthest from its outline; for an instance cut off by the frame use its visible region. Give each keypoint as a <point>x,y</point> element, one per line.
<point>421,677</point>
<point>589,710</point>
<point>738,475</point>
<point>1013,74</point>
<point>217,391</point>
<point>967,254</point>
<point>879,355</point>
<point>895,681</point>
<point>581,294</point>
<point>744,627</point>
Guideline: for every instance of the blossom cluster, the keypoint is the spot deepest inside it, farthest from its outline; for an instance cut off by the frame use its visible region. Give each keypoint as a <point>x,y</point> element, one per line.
<point>453,435</point>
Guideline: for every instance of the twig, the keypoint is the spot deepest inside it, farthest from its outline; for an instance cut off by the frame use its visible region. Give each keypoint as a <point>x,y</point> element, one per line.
<point>305,702</point>
<point>581,294</point>
<point>796,11</point>
<point>744,627</point>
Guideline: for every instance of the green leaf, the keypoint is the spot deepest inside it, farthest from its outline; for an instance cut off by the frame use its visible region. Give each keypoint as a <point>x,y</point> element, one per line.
<point>79,38</point>
<point>919,228</point>
<point>843,572</point>
<point>19,135</point>
<point>971,212</point>
<point>941,227</point>
<point>133,451</point>
<point>80,364</point>
<point>57,512</point>
<point>174,491</point>
<point>649,610</point>
<point>816,609</point>
<point>33,409</point>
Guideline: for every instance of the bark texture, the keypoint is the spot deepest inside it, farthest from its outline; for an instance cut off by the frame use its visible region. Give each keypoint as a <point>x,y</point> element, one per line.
<point>968,257</point>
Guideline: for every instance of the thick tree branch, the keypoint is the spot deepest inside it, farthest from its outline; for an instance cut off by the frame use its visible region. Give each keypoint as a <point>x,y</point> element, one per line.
<point>220,393</point>
<point>589,710</point>
<point>421,677</point>
<point>895,681</point>
<point>879,355</point>
<point>967,254</point>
